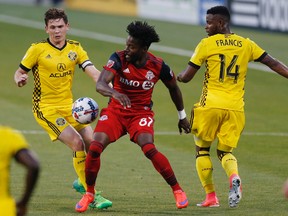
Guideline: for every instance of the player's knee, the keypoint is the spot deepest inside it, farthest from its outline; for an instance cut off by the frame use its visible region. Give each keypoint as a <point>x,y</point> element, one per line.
<point>149,150</point>
<point>200,152</point>
<point>95,149</point>
<point>221,154</point>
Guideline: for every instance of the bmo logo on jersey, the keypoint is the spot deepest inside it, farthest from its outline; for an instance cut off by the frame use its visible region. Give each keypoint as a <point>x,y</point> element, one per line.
<point>146,85</point>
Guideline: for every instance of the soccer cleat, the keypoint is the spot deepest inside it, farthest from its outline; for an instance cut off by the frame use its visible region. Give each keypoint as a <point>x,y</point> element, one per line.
<point>235,192</point>
<point>83,204</point>
<point>78,187</point>
<point>181,199</point>
<point>214,202</point>
<point>100,202</point>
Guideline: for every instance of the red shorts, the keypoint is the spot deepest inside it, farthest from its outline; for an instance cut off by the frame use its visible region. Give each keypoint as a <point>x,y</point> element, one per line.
<point>118,122</point>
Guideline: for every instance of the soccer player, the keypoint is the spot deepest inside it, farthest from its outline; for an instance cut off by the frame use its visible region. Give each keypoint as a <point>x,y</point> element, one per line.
<point>220,111</point>
<point>13,145</point>
<point>53,63</point>
<point>134,72</point>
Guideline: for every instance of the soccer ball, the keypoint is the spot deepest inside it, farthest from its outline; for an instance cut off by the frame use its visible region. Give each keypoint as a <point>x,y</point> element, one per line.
<point>85,110</point>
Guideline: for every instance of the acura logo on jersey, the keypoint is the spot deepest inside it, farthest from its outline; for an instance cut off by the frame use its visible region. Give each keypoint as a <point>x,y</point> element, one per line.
<point>61,67</point>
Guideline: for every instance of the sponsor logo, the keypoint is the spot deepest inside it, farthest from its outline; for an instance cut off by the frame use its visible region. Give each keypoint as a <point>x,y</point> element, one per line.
<point>126,70</point>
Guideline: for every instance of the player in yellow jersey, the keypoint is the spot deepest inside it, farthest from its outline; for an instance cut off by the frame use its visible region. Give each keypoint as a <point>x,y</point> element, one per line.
<point>13,145</point>
<point>220,111</point>
<point>53,63</point>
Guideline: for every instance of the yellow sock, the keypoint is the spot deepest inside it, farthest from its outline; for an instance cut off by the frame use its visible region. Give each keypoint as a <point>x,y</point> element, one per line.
<point>79,158</point>
<point>205,170</point>
<point>229,164</point>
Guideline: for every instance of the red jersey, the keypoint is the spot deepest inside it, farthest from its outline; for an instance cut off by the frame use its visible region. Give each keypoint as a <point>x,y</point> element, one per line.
<point>137,82</point>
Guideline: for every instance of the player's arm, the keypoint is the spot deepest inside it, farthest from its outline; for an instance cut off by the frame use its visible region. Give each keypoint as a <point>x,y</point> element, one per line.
<point>92,72</point>
<point>21,77</point>
<point>275,65</point>
<point>188,74</point>
<point>104,88</point>
<point>27,158</point>
<point>168,78</point>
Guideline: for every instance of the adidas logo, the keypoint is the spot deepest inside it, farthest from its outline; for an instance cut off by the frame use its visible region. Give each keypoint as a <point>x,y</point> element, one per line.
<point>126,70</point>
<point>48,56</point>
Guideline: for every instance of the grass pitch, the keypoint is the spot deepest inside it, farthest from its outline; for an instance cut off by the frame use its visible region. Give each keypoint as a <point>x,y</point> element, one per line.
<point>126,177</point>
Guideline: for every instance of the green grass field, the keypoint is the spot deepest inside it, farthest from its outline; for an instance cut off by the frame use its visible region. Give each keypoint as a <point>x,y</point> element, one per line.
<point>127,178</point>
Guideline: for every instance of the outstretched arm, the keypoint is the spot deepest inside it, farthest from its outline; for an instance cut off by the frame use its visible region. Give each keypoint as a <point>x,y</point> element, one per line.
<point>176,96</point>
<point>92,72</point>
<point>27,158</point>
<point>275,65</point>
<point>187,74</point>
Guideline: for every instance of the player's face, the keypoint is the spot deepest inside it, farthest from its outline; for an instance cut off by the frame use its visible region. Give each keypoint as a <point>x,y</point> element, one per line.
<point>57,30</point>
<point>134,52</point>
<point>212,24</point>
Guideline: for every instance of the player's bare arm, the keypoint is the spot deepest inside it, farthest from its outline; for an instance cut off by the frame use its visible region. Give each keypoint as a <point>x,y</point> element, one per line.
<point>92,72</point>
<point>275,65</point>
<point>20,77</point>
<point>187,74</point>
<point>176,96</point>
<point>104,88</point>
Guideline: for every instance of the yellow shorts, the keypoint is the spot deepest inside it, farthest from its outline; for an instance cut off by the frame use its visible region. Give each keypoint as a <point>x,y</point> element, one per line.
<point>54,119</point>
<point>211,123</point>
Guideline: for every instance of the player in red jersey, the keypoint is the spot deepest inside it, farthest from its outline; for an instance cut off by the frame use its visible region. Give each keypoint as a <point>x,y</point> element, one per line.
<point>134,73</point>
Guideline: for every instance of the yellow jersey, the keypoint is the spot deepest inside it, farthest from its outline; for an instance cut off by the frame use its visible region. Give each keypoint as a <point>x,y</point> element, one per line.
<point>11,142</point>
<point>226,58</point>
<point>53,71</point>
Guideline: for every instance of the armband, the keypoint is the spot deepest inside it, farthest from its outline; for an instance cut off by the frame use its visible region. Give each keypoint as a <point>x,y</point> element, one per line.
<point>181,114</point>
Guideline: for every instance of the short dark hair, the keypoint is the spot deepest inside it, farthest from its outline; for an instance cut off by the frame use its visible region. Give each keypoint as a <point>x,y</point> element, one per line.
<point>55,13</point>
<point>220,10</point>
<point>143,32</point>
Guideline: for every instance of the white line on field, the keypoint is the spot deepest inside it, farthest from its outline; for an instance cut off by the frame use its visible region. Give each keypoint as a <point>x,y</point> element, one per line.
<point>173,133</point>
<point>110,38</point>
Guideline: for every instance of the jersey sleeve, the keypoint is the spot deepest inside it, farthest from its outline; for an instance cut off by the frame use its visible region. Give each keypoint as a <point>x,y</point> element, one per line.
<point>114,63</point>
<point>257,52</point>
<point>200,54</point>
<point>30,58</point>
<point>166,74</point>
<point>83,59</point>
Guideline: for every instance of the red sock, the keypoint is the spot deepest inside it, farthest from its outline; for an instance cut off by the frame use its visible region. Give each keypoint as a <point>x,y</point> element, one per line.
<point>92,165</point>
<point>162,165</point>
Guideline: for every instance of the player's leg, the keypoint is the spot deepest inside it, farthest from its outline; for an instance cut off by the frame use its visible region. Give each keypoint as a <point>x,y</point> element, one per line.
<point>92,167</point>
<point>162,165</point>
<point>228,137</point>
<point>204,169</point>
<point>205,123</point>
<point>107,130</point>
<point>99,201</point>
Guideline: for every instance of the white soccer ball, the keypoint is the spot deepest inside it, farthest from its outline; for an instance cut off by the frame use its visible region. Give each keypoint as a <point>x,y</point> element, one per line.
<point>85,110</point>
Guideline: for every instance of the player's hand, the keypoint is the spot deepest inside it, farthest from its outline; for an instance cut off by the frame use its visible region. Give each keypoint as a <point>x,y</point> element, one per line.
<point>185,125</point>
<point>123,99</point>
<point>22,80</point>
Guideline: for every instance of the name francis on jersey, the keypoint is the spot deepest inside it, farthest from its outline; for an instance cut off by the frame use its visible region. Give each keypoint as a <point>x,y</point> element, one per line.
<point>229,42</point>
